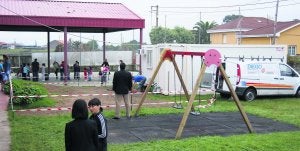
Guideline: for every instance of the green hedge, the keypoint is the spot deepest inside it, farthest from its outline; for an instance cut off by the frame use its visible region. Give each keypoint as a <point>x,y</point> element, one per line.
<point>25,88</point>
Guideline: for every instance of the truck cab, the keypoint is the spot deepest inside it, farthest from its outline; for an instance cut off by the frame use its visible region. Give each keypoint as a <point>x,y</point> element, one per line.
<point>258,78</point>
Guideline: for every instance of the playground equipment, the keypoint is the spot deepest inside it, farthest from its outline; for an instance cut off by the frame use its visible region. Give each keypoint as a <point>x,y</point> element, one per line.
<point>211,57</point>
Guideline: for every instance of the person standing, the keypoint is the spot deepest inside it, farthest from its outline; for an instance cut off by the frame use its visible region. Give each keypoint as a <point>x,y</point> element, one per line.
<point>23,71</point>
<point>1,70</point>
<point>43,71</point>
<point>62,70</point>
<point>6,71</point>
<point>6,67</point>
<point>90,73</point>
<point>76,68</point>
<point>85,73</point>
<point>96,110</point>
<point>120,61</point>
<point>81,133</point>
<point>105,63</point>
<point>122,84</point>
<point>56,68</point>
<point>35,70</point>
<point>28,71</point>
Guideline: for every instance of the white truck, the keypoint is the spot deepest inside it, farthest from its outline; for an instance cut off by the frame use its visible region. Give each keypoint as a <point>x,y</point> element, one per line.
<point>254,78</point>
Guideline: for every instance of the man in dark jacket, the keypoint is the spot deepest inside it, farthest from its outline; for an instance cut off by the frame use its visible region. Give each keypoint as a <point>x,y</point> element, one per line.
<point>35,70</point>
<point>122,84</point>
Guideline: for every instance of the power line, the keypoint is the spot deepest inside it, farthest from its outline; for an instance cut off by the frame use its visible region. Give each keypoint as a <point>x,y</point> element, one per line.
<point>222,11</point>
<point>224,6</point>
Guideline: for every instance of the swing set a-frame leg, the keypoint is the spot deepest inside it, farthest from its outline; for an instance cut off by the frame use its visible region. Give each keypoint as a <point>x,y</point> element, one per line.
<point>236,100</point>
<point>148,86</point>
<point>190,103</point>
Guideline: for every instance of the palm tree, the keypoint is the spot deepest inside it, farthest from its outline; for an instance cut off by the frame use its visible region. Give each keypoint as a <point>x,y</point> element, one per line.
<point>201,28</point>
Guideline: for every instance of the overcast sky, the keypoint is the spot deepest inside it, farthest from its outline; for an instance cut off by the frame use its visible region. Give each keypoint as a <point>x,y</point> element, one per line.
<point>171,13</point>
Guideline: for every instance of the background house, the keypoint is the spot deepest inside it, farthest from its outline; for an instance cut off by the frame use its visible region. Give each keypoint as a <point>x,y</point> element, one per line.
<point>258,30</point>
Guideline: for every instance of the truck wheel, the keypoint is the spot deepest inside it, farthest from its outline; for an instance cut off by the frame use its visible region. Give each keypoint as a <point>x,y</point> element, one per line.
<point>298,93</point>
<point>250,94</point>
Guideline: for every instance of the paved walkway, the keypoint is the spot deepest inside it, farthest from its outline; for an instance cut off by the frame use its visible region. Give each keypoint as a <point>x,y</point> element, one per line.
<point>4,124</point>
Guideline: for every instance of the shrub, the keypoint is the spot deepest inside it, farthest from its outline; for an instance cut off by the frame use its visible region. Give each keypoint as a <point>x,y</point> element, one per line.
<point>293,60</point>
<point>25,88</point>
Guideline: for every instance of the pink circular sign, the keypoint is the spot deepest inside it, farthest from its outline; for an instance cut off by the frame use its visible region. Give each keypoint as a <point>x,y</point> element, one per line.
<point>212,56</point>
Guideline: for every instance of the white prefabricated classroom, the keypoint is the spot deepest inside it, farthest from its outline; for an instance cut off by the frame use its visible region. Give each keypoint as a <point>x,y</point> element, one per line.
<point>190,66</point>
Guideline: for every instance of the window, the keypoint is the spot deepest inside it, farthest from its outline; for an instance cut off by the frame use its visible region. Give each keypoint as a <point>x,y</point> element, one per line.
<point>224,38</point>
<point>291,50</point>
<point>149,58</point>
<point>286,71</point>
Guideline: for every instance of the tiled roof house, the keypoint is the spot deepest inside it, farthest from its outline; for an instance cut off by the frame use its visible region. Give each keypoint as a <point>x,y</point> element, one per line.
<point>258,30</point>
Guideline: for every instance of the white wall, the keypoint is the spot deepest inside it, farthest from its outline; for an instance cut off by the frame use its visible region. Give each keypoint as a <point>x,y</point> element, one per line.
<point>86,58</point>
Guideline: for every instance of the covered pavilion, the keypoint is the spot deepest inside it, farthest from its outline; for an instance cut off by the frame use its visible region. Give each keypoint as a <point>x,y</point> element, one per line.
<point>68,16</point>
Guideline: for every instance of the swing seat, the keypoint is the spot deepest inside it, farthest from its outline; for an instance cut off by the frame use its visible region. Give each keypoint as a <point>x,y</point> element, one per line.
<point>178,106</point>
<point>195,113</point>
<point>209,103</point>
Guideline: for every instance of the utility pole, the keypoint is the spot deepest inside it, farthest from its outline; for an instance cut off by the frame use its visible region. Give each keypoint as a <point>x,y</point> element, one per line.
<point>200,29</point>
<point>275,24</point>
<point>156,9</point>
<point>239,39</point>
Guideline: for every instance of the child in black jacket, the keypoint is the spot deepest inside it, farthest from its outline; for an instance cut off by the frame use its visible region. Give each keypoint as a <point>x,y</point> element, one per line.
<point>96,109</point>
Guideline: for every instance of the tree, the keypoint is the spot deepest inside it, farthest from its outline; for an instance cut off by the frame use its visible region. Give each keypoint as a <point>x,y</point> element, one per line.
<point>92,45</point>
<point>229,18</point>
<point>131,45</point>
<point>76,45</point>
<point>159,35</point>
<point>183,35</point>
<point>59,48</point>
<point>112,47</point>
<point>201,35</point>
<point>166,35</point>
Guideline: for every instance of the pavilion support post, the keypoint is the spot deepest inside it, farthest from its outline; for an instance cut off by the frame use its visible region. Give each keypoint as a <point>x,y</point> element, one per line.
<point>65,55</point>
<point>190,103</point>
<point>48,48</point>
<point>104,47</point>
<point>236,100</point>
<point>140,56</point>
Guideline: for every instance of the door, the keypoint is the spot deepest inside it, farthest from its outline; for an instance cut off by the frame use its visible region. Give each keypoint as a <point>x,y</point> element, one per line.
<point>289,80</point>
<point>231,69</point>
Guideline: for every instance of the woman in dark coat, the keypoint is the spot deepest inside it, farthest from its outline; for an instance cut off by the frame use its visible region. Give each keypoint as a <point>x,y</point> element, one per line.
<point>81,133</point>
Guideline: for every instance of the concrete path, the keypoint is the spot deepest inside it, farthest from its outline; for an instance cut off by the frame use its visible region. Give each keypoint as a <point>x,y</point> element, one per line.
<point>4,124</point>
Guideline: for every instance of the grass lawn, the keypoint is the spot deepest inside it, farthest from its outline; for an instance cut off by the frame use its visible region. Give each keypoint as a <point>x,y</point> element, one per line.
<point>46,132</point>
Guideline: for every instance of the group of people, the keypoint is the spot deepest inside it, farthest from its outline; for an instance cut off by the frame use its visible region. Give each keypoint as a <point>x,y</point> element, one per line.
<point>91,134</point>
<point>87,71</point>
<point>83,133</point>
<point>25,69</point>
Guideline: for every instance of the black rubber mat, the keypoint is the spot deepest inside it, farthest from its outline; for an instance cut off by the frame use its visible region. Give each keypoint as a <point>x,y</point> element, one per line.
<point>146,128</point>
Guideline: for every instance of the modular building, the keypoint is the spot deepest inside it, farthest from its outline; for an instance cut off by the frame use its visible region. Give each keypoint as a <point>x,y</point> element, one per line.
<point>190,66</point>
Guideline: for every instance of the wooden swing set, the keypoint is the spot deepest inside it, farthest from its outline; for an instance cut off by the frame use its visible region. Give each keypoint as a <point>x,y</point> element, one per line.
<point>211,57</point>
